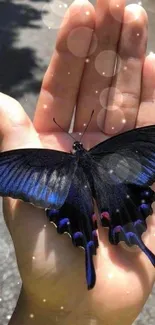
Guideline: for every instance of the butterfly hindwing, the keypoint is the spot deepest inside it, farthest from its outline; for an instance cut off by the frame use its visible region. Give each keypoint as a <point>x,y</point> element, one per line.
<point>39,176</point>
<point>76,218</point>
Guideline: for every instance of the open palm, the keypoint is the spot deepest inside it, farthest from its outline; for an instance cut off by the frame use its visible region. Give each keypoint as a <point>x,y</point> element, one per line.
<point>82,73</point>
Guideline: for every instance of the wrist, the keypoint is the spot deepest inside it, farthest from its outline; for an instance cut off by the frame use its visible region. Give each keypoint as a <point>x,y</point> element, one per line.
<point>28,312</point>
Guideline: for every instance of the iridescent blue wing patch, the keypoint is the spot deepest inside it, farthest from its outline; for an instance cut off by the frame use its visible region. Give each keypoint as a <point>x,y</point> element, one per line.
<point>40,176</point>
<point>76,217</point>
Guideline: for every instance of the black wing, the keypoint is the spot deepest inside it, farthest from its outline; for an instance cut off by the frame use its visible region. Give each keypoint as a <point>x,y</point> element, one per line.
<point>76,217</point>
<point>130,156</point>
<point>40,176</point>
<point>123,167</point>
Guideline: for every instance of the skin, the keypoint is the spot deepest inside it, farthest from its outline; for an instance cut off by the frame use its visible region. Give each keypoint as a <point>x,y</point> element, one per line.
<point>52,270</point>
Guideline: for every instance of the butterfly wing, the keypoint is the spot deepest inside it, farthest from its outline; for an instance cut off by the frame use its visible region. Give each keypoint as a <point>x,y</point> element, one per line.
<point>123,167</point>
<point>76,217</point>
<point>40,176</point>
<point>130,156</point>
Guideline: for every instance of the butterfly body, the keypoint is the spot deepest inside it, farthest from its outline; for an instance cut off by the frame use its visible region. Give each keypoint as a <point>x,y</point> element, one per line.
<point>117,173</point>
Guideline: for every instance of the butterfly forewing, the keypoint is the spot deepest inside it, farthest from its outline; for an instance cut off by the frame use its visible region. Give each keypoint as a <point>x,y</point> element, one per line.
<point>39,176</point>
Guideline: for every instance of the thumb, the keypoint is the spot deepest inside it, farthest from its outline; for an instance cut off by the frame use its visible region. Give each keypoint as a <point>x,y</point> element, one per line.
<point>16,131</point>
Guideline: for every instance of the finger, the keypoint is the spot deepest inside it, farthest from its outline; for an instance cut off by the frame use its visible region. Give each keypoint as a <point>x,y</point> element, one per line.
<point>146,114</point>
<point>62,78</point>
<point>124,98</point>
<point>99,69</point>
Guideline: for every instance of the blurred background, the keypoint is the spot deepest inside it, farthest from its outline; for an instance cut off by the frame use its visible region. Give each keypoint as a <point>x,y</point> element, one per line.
<point>28,30</point>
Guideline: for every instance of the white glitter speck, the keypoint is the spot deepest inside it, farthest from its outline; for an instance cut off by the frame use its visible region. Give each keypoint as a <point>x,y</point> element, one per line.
<point>8,317</point>
<point>124,120</point>
<point>117,6</point>
<point>117,210</point>
<point>33,257</point>
<point>138,34</point>
<point>87,13</point>
<point>44,300</point>
<point>0,299</point>
<point>45,226</point>
<point>110,171</point>
<point>103,73</point>
<point>113,127</point>
<point>110,275</point>
<point>96,91</point>
<point>80,133</point>
<point>87,60</point>
<point>62,307</point>
<point>44,106</point>
<point>31,315</point>
<point>84,124</point>
<point>143,201</point>
<point>127,196</point>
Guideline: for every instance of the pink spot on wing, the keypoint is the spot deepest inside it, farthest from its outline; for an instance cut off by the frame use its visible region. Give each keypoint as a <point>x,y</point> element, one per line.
<point>94,217</point>
<point>105,215</point>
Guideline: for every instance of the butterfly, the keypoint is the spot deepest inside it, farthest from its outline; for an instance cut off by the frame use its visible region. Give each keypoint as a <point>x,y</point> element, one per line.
<point>117,174</point>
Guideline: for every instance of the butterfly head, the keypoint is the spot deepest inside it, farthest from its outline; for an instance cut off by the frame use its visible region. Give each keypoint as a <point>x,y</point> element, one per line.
<point>77,146</point>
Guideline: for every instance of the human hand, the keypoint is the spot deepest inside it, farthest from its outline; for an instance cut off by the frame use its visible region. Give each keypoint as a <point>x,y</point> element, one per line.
<point>52,270</point>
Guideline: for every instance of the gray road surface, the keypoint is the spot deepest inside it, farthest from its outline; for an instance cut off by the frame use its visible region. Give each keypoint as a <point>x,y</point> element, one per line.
<point>26,44</point>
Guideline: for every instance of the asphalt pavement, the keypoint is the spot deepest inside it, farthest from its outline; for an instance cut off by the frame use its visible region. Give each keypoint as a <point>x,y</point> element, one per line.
<point>27,37</point>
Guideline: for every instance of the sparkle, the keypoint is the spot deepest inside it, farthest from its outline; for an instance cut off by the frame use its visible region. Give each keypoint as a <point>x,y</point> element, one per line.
<point>31,315</point>
<point>0,299</point>
<point>45,226</point>
<point>117,6</point>
<point>8,317</point>
<point>117,210</point>
<point>103,73</point>
<point>128,196</point>
<point>124,120</point>
<point>87,13</point>
<point>110,275</point>
<point>80,133</point>
<point>62,307</point>
<point>69,72</point>
<point>33,257</point>
<point>65,5</point>
<point>113,127</point>
<point>84,124</point>
<point>87,60</point>
<point>96,91</point>
<point>44,300</point>
<point>138,34</point>
<point>85,186</point>
<point>18,282</point>
<point>125,68</point>
<point>110,171</point>
<point>44,106</point>
<point>143,201</point>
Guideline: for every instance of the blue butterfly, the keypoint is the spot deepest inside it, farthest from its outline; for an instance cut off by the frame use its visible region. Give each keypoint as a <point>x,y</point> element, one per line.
<point>116,173</point>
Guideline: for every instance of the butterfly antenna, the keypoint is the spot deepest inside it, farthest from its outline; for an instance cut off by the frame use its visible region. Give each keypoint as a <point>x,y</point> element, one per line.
<point>63,129</point>
<point>87,125</point>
